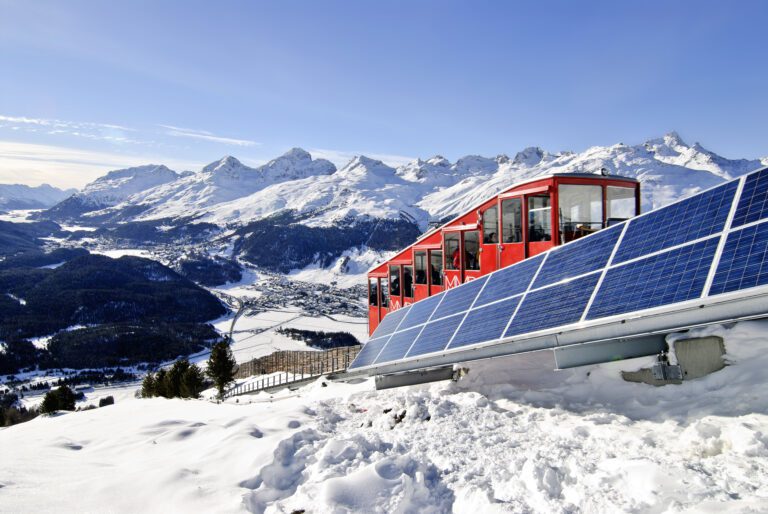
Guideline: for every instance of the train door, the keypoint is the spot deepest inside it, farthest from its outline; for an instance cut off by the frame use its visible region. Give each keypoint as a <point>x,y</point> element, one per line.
<point>407,285</point>
<point>395,288</point>
<point>373,304</point>
<point>452,270</point>
<point>539,231</point>
<point>470,264</point>
<point>421,275</point>
<point>511,247</point>
<point>489,251</point>
<point>436,274</point>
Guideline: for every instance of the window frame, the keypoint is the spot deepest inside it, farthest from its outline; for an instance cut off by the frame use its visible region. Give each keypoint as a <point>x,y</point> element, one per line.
<point>420,255</point>
<point>494,219</point>
<point>515,228</point>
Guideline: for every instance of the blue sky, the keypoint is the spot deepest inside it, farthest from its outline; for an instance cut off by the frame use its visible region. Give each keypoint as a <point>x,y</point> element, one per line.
<point>88,86</point>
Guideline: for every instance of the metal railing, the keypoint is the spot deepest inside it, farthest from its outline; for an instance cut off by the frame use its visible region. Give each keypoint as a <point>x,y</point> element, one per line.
<point>294,367</point>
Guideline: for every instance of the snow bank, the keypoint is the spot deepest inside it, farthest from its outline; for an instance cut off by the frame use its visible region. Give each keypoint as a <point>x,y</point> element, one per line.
<point>576,441</point>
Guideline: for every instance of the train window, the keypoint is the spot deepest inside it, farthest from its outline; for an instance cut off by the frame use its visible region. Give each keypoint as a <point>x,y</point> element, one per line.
<point>394,280</point>
<point>491,226</point>
<point>373,292</point>
<point>512,220</point>
<point>420,260</point>
<point>436,267</point>
<point>621,204</point>
<point>539,218</point>
<point>384,287</point>
<point>452,253</point>
<point>408,281</point>
<point>471,247</point>
<point>580,209</point>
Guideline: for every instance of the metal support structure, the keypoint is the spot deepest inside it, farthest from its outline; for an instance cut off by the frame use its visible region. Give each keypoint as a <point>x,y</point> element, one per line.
<point>414,377</point>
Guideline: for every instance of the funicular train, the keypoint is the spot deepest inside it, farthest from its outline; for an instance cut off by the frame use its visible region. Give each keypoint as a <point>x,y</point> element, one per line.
<point>522,221</point>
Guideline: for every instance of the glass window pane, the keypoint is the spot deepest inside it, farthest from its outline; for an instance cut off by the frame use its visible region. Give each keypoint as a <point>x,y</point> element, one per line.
<point>394,280</point>
<point>373,292</point>
<point>621,204</point>
<point>420,260</point>
<point>580,210</point>
<point>539,219</point>
<point>512,220</point>
<point>453,255</point>
<point>436,267</point>
<point>384,287</point>
<point>471,247</point>
<point>491,226</point>
<point>408,281</point>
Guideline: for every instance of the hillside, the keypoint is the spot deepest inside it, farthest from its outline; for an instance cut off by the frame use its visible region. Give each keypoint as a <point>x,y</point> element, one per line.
<point>18,196</point>
<point>504,440</point>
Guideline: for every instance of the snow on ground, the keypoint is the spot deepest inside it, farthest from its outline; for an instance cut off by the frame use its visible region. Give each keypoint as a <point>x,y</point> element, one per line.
<point>575,441</point>
<point>349,270</point>
<point>18,216</point>
<point>116,254</point>
<point>78,228</point>
<point>244,288</point>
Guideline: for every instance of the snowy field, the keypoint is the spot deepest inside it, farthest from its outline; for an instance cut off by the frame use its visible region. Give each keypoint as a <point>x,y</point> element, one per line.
<point>506,438</point>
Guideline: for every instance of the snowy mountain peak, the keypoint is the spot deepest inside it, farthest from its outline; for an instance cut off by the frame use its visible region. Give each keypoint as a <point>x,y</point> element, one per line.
<point>226,165</point>
<point>18,196</point>
<point>297,154</point>
<point>438,160</point>
<point>530,156</point>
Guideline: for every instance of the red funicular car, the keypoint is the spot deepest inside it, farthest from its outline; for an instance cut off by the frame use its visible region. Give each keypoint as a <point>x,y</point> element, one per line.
<point>520,222</point>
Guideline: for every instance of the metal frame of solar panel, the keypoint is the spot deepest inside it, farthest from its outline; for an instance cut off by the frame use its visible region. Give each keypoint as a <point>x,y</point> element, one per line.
<point>655,271</point>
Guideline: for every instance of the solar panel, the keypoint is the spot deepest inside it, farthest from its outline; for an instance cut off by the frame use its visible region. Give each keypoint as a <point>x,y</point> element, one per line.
<point>421,311</point>
<point>753,204</point>
<point>435,336</point>
<point>693,218</point>
<point>509,281</point>
<point>742,264</point>
<point>664,258</point>
<point>390,322</point>
<point>369,352</point>
<point>669,277</point>
<point>579,257</point>
<point>486,323</point>
<point>459,299</point>
<point>553,306</point>
<point>398,345</point>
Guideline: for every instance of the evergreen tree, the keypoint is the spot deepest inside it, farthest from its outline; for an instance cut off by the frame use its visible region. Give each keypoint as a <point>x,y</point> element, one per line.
<point>58,399</point>
<point>161,384</point>
<point>192,382</point>
<point>149,386</point>
<point>221,366</point>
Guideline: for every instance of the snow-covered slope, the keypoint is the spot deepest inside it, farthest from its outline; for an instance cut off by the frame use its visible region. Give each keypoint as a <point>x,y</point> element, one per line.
<point>18,196</point>
<point>222,181</point>
<point>363,188</point>
<point>579,440</point>
<point>228,192</point>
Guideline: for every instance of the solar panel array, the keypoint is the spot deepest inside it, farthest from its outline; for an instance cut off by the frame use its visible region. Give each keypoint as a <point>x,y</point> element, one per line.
<point>657,259</point>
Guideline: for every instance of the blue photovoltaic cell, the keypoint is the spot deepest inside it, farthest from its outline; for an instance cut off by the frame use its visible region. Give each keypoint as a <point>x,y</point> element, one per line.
<point>753,204</point>
<point>369,352</point>
<point>459,298</point>
<point>420,311</point>
<point>579,257</point>
<point>698,216</point>
<point>670,277</point>
<point>389,323</point>
<point>486,323</point>
<point>509,281</point>
<point>553,306</point>
<point>743,262</point>
<point>398,345</point>
<point>435,336</point>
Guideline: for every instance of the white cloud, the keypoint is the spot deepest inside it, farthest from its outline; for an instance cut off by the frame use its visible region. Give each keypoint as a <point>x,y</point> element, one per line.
<point>95,131</point>
<point>206,136</point>
<point>340,158</point>
<point>35,164</point>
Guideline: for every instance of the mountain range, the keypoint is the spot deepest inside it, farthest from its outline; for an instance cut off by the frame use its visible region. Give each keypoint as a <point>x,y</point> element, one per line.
<point>227,192</point>
<point>22,197</point>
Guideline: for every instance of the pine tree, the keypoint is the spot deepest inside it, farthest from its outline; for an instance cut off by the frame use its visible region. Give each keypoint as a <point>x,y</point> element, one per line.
<point>161,384</point>
<point>192,382</point>
<point>221,366</point>
<point>58,399</point>
<point>149,386</point>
